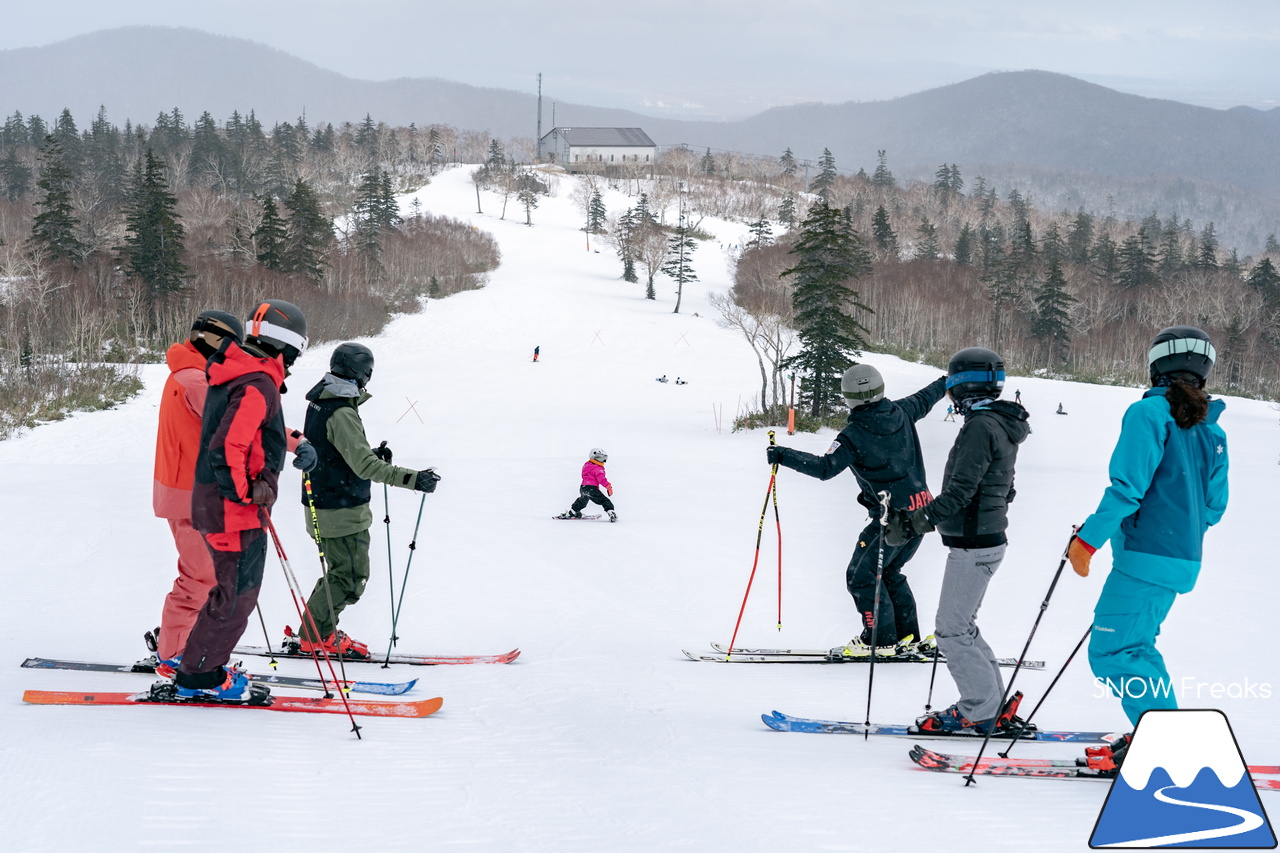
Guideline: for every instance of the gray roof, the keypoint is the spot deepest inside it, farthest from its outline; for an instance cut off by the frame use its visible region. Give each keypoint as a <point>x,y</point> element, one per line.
<point>603,137</point>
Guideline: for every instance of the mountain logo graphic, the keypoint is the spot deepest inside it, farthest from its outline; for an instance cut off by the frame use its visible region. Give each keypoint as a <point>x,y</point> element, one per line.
<point>1183,783</point>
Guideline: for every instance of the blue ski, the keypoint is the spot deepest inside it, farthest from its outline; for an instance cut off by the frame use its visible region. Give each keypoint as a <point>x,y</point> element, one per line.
<point>785,723</point>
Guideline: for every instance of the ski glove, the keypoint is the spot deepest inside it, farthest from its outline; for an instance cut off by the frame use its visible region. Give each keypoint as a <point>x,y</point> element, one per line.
<point>305,458</point>
<point>383,452</point>
<point>426,481</point>
<point>261,494</point>
<point>1080,552</point>
<point>609,489</point>
<point>773,453</point>
<point>904,526</point>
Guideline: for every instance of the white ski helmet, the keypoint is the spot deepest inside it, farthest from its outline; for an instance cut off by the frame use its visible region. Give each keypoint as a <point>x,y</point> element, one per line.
<point>598,454</point>
<point>861,384</point>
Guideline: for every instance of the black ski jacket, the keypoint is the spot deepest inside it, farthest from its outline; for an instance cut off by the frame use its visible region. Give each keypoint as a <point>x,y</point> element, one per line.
<point>880,445</point>
<point>972,509</point>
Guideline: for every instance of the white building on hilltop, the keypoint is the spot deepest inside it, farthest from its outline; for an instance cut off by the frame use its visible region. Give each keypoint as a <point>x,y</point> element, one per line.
<point>594,148</point>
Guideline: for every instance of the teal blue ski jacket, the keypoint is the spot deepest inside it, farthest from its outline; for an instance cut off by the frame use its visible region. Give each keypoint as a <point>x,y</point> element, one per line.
<point>1168,486</point>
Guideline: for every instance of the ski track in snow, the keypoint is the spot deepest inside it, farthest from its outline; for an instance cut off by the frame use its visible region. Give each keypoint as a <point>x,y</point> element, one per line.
<point>601,736</point>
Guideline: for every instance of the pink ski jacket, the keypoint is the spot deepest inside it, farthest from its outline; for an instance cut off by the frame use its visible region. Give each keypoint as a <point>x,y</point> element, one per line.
<point>593,474</point>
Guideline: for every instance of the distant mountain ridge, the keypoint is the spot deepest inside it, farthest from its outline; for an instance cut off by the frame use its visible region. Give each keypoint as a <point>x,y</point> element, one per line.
<point>1031,121</point>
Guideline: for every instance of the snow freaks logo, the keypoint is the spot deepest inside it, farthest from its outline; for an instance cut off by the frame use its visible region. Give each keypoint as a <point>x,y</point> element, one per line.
<point>1183,783</point>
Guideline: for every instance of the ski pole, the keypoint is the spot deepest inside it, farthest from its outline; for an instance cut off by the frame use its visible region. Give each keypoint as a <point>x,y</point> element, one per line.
<point>1008,690</point>
<point>292,581</point>
<point>773,479</point>
<point>875,611</point>
<point>413,546</point>
<point>274,663</point>
<point>386,520</point>
<point>933,674</point>
<point>324,576</point>
<point>1052,684</point>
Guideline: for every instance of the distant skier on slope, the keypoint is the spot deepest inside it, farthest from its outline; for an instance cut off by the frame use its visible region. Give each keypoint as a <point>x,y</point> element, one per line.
<point>1170,465</point>
<point>242,447</point>
<point>971,513</point>
<point>177,446</point>
<point>593,478</point>
<point>880,445</point>
<point>340,485</point>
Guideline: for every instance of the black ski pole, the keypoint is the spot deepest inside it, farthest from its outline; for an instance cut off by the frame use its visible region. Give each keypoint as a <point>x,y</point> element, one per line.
<point>1052,684</point>
<point>324,578</point>
<point>391,573</point>
<point>933,674</point>
<point>413,546</point>
<point>875,610</point>
<point>274,663</point>
<point>1008,690</point>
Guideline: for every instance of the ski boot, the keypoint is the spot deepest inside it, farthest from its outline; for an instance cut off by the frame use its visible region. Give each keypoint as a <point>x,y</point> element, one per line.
<point>337,643</point>
<point>926,649</point>
<point>860,647</point>
<point>613,516</point>
<point>166,668</point>
<point>951,721</point>
<point>235,689</point>
<point>570,513</point>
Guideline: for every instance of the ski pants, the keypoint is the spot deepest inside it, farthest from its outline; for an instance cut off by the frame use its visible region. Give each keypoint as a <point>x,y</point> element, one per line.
<point>195,578</point>
<point>1122,644</point>
<point>594,495</point>
<point>897,612</point>
<point>970,660</point>
<point>348,561</point>
<point>238,560</point>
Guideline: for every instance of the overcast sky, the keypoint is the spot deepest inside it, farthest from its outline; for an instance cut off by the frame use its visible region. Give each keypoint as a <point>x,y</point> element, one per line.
<point>730,58</point>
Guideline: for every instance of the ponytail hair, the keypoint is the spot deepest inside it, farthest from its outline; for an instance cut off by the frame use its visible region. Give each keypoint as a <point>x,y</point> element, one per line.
<point>1188,403</point>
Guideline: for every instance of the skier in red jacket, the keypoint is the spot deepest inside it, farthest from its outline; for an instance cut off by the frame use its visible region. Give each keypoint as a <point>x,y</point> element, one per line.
<point>242,448</point>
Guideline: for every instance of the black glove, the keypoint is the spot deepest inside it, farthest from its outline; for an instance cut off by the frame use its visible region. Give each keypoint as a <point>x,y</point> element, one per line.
<point>426,481</point>
<point>305,457</point>
<point>383,452</point>
<point>260,493</point>
<point>904,526</point>
<point>773,453</point>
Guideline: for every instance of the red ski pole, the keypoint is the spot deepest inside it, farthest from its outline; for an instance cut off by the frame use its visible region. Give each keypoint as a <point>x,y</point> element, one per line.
<point>777,520</point>
<point>773,478</point>
<point>292,582</point>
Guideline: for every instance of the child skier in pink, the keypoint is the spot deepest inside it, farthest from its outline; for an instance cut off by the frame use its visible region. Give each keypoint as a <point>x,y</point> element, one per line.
<point>593,479</point>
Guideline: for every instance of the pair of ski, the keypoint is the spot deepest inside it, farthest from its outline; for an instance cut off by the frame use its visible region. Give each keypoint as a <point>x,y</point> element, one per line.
<point>745,655</point>
<point>1049,768</point>
<point>318,705</point>
<point>1039,768</point>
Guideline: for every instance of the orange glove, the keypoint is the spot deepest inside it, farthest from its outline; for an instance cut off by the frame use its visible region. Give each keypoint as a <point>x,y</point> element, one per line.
<point>1080,553</point>
<point>609,489</point>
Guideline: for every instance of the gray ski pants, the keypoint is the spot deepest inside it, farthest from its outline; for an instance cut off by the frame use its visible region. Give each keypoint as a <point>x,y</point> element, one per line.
<point>969,659</point>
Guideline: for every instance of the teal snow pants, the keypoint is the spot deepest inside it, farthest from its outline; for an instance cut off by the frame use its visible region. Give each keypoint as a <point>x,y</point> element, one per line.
<point>1122,645</point>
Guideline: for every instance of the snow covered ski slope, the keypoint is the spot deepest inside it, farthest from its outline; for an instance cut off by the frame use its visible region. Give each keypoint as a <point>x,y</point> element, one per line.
<point>602,735</point>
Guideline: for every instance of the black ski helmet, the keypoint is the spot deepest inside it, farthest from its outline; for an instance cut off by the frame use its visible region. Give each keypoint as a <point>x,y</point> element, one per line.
<point>1181,349</point>
<point>277,327</point>
<point>210,328</point>
<point>352,361</point>
<point>975,372</point>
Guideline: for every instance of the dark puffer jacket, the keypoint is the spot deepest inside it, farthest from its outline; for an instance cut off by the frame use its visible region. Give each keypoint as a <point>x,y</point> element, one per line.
<point>971,511</point>
<point>880,445</point>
